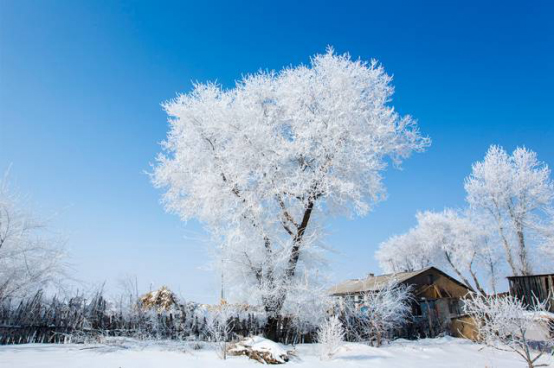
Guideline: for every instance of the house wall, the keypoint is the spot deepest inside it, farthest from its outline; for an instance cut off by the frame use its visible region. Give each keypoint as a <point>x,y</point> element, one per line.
<point>432,284</point>
<point>464,327</point>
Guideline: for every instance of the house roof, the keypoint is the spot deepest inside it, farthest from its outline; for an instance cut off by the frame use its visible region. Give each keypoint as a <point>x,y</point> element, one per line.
<point>375,283</point>
<point>531,276</point>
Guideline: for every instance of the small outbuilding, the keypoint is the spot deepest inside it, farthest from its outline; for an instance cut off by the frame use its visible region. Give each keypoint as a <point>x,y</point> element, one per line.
<point>436,299</point>
<point>532,288</point>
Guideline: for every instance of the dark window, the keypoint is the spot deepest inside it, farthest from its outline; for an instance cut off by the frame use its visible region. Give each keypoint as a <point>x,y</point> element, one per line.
<point>454,306</point>
<point>430,279</point>
<point>416,309</point>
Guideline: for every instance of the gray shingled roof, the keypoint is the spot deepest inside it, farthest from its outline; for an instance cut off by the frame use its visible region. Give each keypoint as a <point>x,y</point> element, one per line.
<point>372,283</point>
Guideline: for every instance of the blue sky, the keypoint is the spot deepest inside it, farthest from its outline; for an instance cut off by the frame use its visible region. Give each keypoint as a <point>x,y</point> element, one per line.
<point>80,119</point>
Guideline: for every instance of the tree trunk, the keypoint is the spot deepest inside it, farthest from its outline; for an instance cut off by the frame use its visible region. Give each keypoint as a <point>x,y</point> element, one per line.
<point>460,275</point>
<point>525,267</point>
<point>477,284</point>
<point>271,329</point>
<point>506,245</point>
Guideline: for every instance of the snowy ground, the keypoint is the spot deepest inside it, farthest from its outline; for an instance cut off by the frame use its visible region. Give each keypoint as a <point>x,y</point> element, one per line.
<point>440,352</point>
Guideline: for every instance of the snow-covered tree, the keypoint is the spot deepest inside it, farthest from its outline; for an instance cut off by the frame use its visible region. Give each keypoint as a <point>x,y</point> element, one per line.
<point>446,239</point>
<point>515,193</point>
<point>505,323</point>
<point>30,257</point>
<point>459,243</point>
<point>262,163</point>
<point>405,253</point>
<point>330,336</point>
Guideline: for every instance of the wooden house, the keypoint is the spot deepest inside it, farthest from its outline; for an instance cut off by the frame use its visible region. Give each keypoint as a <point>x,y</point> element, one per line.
<point>436,299</point>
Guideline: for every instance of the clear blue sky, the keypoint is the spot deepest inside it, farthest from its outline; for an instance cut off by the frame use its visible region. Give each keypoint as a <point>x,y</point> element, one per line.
<point>81,84</point>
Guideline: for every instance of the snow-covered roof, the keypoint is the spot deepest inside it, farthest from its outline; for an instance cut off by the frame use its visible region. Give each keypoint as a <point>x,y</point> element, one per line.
<point>372,283</point>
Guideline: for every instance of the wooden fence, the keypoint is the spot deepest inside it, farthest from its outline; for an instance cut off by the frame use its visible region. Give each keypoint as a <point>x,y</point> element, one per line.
<point>77,320</point>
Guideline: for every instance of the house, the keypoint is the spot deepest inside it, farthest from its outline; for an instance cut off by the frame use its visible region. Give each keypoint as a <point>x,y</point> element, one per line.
<point>530,288</point>
<point>436,299</point>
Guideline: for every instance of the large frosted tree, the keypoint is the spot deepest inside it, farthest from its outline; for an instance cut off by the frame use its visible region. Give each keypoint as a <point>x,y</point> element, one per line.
<point>261,164</point>
<point>515,193</point>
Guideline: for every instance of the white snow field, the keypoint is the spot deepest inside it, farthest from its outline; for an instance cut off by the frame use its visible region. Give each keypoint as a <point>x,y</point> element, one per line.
<point>438,352</point>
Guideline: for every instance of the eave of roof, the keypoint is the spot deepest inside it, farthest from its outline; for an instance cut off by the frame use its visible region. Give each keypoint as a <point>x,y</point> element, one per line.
<point>372,283</point>
<point>531,276</point>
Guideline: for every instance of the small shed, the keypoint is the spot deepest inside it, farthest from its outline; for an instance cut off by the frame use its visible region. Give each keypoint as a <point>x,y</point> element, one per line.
<point>436,298</point>
<point>530,288</point>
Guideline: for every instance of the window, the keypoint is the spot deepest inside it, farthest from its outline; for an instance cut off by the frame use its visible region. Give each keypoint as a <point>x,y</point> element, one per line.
<point>454,306</point>
<point>416,309</point>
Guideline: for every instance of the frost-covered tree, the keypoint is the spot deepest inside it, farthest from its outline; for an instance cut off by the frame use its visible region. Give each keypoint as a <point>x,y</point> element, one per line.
<point>459,243</point>
<point>405,253</point>
<point>30,258</point>
<point>547,238</point>
<point>262,163</point>
<point>330,335</point>
<point>515,193</point>
<point>444,239</point>
<point>505,323</point>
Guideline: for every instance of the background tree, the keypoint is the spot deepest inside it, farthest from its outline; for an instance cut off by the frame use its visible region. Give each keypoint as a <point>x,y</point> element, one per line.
<point>260,164</point>
<point>31,258</point>
<point>515,193</point>
<point>446,239</point>
<point>459,243</point>
<point>405,253</point>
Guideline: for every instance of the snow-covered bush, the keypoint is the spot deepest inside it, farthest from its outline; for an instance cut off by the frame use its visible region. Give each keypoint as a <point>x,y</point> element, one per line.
<point>379,313</point>
<point>219,326</point>
<point>330,335</point>
<point>505,323</point>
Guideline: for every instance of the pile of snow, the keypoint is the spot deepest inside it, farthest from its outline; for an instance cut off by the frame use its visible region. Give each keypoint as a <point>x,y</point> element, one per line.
<point>260,349</point>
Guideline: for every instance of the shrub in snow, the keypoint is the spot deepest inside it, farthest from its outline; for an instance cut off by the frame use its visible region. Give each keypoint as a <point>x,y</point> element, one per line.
<point>330,335</point>
<point>219,326</point>
<point>378,314</point>
<point>505,323</point>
